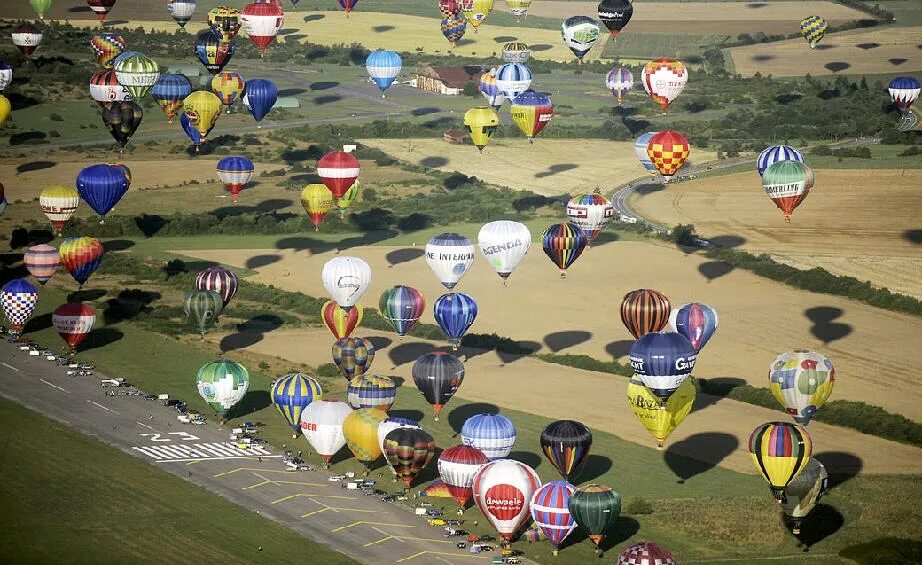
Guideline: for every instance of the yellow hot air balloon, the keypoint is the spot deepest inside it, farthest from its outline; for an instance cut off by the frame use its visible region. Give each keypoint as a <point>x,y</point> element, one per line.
<point>361,432</point>
<point>481,123</point>
<point>202,108</point>
<point>348,197</point>
<point>518,8</point>
<point>660,420</point>
<point>5,108</point>
<point>780,451</point>
<point>59,203</point>
<point>476,11</point>
<point>317,201</point>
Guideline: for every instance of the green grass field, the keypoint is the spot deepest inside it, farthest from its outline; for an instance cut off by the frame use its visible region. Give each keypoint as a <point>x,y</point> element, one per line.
<point>653,45</point>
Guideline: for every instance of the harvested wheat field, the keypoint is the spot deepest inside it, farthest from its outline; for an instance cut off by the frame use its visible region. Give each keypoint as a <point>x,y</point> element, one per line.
<point>550,166</point>
<point>878,51</point>
<point>838,227</point>
<point>759,318</point>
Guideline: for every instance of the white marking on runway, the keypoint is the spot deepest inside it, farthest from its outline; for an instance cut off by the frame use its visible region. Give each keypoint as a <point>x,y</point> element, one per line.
<point>200,451</point>
<point>103,407</point>
<point>9,366</point>
<point>143,425</point>
<point>52,385</point>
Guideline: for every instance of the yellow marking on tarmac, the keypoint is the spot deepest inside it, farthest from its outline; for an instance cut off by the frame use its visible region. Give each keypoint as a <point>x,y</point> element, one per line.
<point>316,512</point>
<point>194,462</point>
<point>372,524</point>
<point>238,469</point>
<point>259,484</point>
<point>415,555</point>
<point>289,497</point>
<point>379,541</point>
<point>401,538</point>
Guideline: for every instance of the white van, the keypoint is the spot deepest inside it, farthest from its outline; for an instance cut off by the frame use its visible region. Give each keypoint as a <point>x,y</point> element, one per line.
<point>352,485</point>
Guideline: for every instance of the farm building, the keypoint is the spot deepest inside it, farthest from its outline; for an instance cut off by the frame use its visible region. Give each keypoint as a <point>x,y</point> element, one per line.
<point>446,80</point>
<point>454,136</point>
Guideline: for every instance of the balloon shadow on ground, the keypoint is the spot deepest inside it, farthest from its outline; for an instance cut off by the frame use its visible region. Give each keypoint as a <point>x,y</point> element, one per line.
<point>698,453</point>
<point>840,466</point>
<point>79,9</point>
<point>762,58</point>
<point>408,352</point>
<point>433,162</point>
<point>623,529</point>
<point>86,295</point>
<point>648,187</point>
<point>328,99</point>
<point>404,255</point>
<point>555,169</point>
<point>719,387</point>
<point>504,38</point>
<point>913,236</point>
<point>897,61</point>
<point>824,328</point>
<point>837,66</point>
<point>727,240</point>
<point>823,521</point>
<point>34,166</point>
<point>117,245</point>
<point>26,137</point>
<point>460,414</point>
<point>558,341</point>
<point>253,401</point>
<point>258,261</point>
<point>313,17</point>
<point>150,225</point>
<point>510,357</point>
<point>533,460</point>
<point>595,467</point>
<point>867,46</point>
<point>291,92</point>
<point>540,47</point>
<point>100,338</point>
<point>620,348</point>
<point>250,332</point>
<point>323,85</point>
<point>379,342</point>
<point>240,340</point>
<point>415,415</point>
<point>604,238</point>
<point>37,323</point>
<point>300,243</point>
<point>712,270</point>
<point>424,111</point>
<point>128,304</point>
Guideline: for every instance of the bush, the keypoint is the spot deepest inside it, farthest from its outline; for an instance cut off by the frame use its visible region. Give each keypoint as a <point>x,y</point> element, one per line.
<point>638,506</point>
<point>885,550</point>
<point>328,371</point>
<point>55,117</point>
<point>588,363</point>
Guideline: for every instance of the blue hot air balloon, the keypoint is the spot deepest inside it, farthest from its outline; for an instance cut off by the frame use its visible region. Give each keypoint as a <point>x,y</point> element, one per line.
<point>383,67</point>
<point>169,91</point>
<point>663,361</point>
<point>771,155</point>
<point>454,313</point>
<point>259,97</point>
<point>697,322</point>
<point>493,434</point>
<point>101,187</point>
<point>513,79</point>
<point>292,393</point>
<point>190,130</point>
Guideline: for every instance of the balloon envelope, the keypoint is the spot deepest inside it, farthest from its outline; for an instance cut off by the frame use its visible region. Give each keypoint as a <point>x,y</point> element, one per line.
<point>788,183</point>
<point>42,262</point>
<point>780,451</point>
<point>563,244</point>
<point>455,313</point>
<point>81,256</point>
<point>566,445</point>
<point>383,68</point>
<point>450,256</point>
<point>802,493</point>
<point>438,375</point>
<point>663,361</point>
<point>222,384</point>
<point>73,322</point>
<point>502,491</point>
<point>550,509</point>
<point>202,307</point>
<point>696,321</point>
<point>771,155</point>
<point>18,299</point>
<point>644,311</point>
<point>595,508</point>
<point>457,467</point>
<point>660,419</point>
<point>664,79</point>
<point>353,356</point>
<point>401,307</point>
<point>340,321</point>
<point>408,451</point>
<point>292,393</point>
<point>591,212</point>
<point>221,280</point>
<point>346,279</point>
<point>493,434</point>
<point>371,391</point>
<point>361,431</point>
<point>504,244</point>
<point>322,424</point>
<point>802,382</point>
<point>259,97</point>
<point>101,187</point>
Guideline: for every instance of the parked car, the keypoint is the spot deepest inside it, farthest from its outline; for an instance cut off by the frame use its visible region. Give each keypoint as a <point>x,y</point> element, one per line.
<point>337,478</point>
<point>461,545</point>
<point>104,382</point>
<point>150,397</point>
<point>172,402</point>
<point>435,512</point>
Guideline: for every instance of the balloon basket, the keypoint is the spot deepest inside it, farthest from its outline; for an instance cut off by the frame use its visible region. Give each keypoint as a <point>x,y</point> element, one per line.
<point>556,552</point>
<point>563,274</point>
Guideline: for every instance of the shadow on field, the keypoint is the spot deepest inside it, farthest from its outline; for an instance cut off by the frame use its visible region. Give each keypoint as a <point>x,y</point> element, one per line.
<point>264,207</point>
<point>604,238</point>
<point>840,466</point>
<point>299,243</point>
<point>433,162</point>
<point>379,342</point>
<point>649,187</point>
<point>510,357</point>
<point>294,157</point>
<point>712,270</point>
<point>540,47</point>
<point>897,61</point>
<point>459,415</point>
<point>21,237</point>
<point>150,225</point>
<point>313,17</point>
<point>404,255</point>
<point>718,388</point>
<point>824,327</point>
<point>867,46</point>
<point>762,58</point>
<point>620,348</point>
<point>250,332</point>
<point>117,245</point>
<point>595,467</point>
<point>100,338</point>
<point>824,47</point>
<point>38,323</point>
<point>555,169</point>
<point>27,137</point>
<point>424,111</point>
<point>86,295</point>
<point>382,29</point>
<point>698,453</point>
<point>258,261</point>
<point>323,85</point>
<point>787,98</point>
<point>128,305</point>
<point>533,460</point>
<point>624,529</point>
<point>822,522</point>
<point>755,5</point>
<point>328,99</point>
<point>558,341</point>
<point>504,38</point>
<point>408,352</point>
<point>837,66</point>
<point>254,401</point>
<point>291,92</point>
<point>34,166</point>
<point>79,9</point>
<point>913,236</point>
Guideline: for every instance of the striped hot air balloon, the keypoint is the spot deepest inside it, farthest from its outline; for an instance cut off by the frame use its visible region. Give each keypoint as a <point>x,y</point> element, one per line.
<point>663,361</point>
<point>668,151</point>
<point>340,321</point>
<point>322,424</point>
<point>787,184</point>
<point>645,553</point>
<point>490,91</point>
<point>169,92</point>
<point>74,322</point>
<point>813,28</point>
<point>457,467</point>
<point>105,89</point>
<point>347,5</point>
<point>493,434</point>
<point>227,86</point>
<point>383,68</point>
<point>235,172</point>
<point>696,321</point>
<point>644,310</point>
<point>903,91</point>
<point>122,119</point>
<point>502,491</point>
<point>101,8</point>
<point>771,155</point>
<point>291,394</point>
<point>27,38</point>
<point>220,280</point>
<point>261,21</point>
<point>353,356</point>
<point>438,375</point>
<point>619,81</point>
<point>780,451</point>
<point>566,445</point>
<point>664,79</point>
<point>81,256</point>
<point>408,451</point>
<point>516,52</point>
<point>42,262</point>
<point>563,244</point>
<point>338,170</point>
<point>532,112</point>
<point>101,187</point>
<point>18,299</point>
<point>453,28</point>
<point>138,73</point>
<point>181,11</point>
<point>402,307</point>
<point>107,47</point>
<point>390,424</point>
<point>40,7</point>
<point>513,79</point>
<point>455,313</point>
<point>550,509</point>
<point>59,203</point>
<point>213,53</point>
<point>371,391</point>
<point>591,212</point>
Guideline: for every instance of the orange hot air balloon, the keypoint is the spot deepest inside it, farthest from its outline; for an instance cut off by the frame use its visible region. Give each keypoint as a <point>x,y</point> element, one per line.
<point>340,321</point>
<point>668,150</point>
<point>644,311</point>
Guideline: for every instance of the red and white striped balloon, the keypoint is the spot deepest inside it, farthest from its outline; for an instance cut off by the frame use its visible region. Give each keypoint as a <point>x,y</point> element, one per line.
<point>338,171</point>
<point>74,322</point>
<point>220,280</point>
<point>42,262</point>
<point>457,467</point>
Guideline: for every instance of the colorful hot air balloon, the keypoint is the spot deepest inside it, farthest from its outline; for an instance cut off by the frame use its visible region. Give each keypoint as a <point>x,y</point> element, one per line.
<point>550,509</point>
<point>780,451</point>
<point>105,89</point>
<point>513,79</point>
<point>338,170</point>
<point>383,68</point>
<point>563,244</point>
<point>566,445</point>
<point>455,313</point>
<point>668,151</point>
<point>516,52</point>
<point>697,322</point>
<point>802,382</point>
<point>190,131</point>
<point>580,34</point>
<point>317,200</point>
<point>502,491</point>
<point>664,79</point>
<point>493,434</point>
<point>532,112</point>
<point>361,431</point>
<point>122,119</point>
<point>450,256</point>
<point>346,279</point>
<point>101,8</point>
<point>181,11</point>
<point>169,91</point>
<point>292,393</point>
<point>591,212</point>
<point>261,21</point>
<point>74,322</point>
<point>220,280</point>
<point>322,423</point>
<point>138,73</point>
<point>222,384</point>
<point>235,172</point>
<point>202,108</point>
<point>659,419</point>
<point>390,424</point>
<point>107,47</point>
<point>518,8</point>
<point>645,553</point>
<point>347,5</point>
<point>353,356</point>
<point>771,155</point>
<point>59,203</point>
<point>481,123</point>
<point>2,197</point>
<point>259,96</point>
<point>212,52</point>
<point>6,74</point>
<point>18,299</point>
<point>346,199</point>
<point>504,244</point>
<point>40,7</point>
<point>640,148</point>
<point>620,81</point>
<point>408,451</point>
<point>453,28</point>
<point>338,320</point>
<point>457,467</point>
<point>802,493</point>
<point>224,22</point>
<point>490,91</point>
<point>27,38</point>
<point>371,391</point>
<point>438,375</point>
<point>903,91</point>
<point>42,262</point>
<point>227,86</point>
<point>81,256</point>
<point>401,307</point>
<point>202,308</point>
<point>813,28</point>
<point>615,14</point>
<point>595,508</point>
<point>663,361</point>
<point>101,187</point>
<point>449,7</point>
<point>644,310</point>
<point>476,11</point>
<point>788,183</point>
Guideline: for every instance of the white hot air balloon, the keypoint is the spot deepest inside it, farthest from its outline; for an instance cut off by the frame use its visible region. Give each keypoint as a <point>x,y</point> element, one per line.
<point>346,279</point>
<point>457,467</point>
<point>390,424</point>
<point>504,243</point>
<point>450,256</point>
<point>503,491</point>
<point>322,424</point>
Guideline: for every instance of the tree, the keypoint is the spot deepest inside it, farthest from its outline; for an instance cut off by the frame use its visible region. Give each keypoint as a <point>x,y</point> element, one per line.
<point>471,89</point>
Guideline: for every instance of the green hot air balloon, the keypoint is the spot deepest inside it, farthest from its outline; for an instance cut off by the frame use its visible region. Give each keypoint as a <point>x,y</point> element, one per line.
<point>222,384</point>
<point>596,509</point>
<point>40,7</point>
<point>202,307</point>
<point>138,74</point>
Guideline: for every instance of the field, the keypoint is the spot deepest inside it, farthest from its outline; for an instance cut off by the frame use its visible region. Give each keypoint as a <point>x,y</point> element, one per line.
<point>876,51</point>
<point>838,227</point>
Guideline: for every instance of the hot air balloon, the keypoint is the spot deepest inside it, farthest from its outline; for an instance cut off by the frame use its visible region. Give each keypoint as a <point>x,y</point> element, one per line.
<point>124,168</point>
<point>566,445</point>
<point>450,256</point>
<point>74,322</point>
<point>224,22</point>
<point>190,131</point>
<point>802,382</point>
<point>227,86</point>
<point>550,509</point>
<point>457,467</point>
<point>664,79</point>
<point>101,187</point>
<point>481,123</point>
<point>371,391</point>
<point>663,361</point>
<point>903,91</point>
<point>59,203</point>
<point>347,5</point>
<point>788,183</point>
<point>771,155</point>
<point>259,97</point>
<point>212,52</point>
<point>408,451</point>
<point>595,508</point>
<point>42,262</point>
<point>383,68</point>
<point>122,120</point>
<point>6,74</point>
<point>455,313</point>
<point>322,424</point>
<point>813,28</point>
<point>138,74</point>
<point>390,424</point>
<point>202,307</point>
<point>513,79</point>
<point>591,212</point>
<point>221,280</point>
<point>490,91</point>
<point>620,81</point>
<point>2,197</point>
<point>27,38</point>
<point>169,91</point>
<point>81,256</point>
<point>645,553</point>
<point>340,321</point>
<point>438,375</point>
<point>181,11</point>
<point>644,310</point>
<point>291,394</point>
<point>532,112</point>
<point>101,8</point>
<point>5,108</point>
<point>261,22</point>
<point>124,55</point>
<point>105,89</point>
<point>516,52</point>
<point>563,244</point>
<point>107,47</point>
<point>343,202</point>
<point>18,299</point>
<point>780,451</point>
<point>640,148</point>
<point>660,419</point>
<point>453,28</point>
<point>518,8</point>
<point>802,493</point>
<point>361,431</point>
<point>40,7</point>
<point>353,356</point>
<point>202,108</point>
<point>697,322</point>
<point>615,14</point>
<point>449,7</point>
<point>504,244</point>
<point>503,491</point>
<point>317,200</point>
<point>493,434</point>
<point>668,151</point>
<point>346,279</point>
<point>222,384</point>
<point>338,170</point>
<point>401,307</point>
<point>235,172</point>
<point>580,34</point>
<point>476,11</point>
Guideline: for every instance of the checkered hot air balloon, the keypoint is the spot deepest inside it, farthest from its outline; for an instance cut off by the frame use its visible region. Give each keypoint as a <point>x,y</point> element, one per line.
<point>664,79</point>
<point>74,322</point>
<point>81,256</point>
<point>493,434</point>
<point>502,491</point>
<point>663,361</point>
<point>455,313</point>
<point>813,28</point>
<point>449,7</point>
<point>361,431</point>
<point>371,391</point>
<point>771,155</point>
<point>802,382</point>
<point>780,451</point>
<point>220,280</point>
<point>107,46</point>
<point>353,356</point>
<point>563,244</point>
<point>644,310</point>
<point>18,299</point>
<point>292,393</point>
<point>261,21</point>
<point>138,74</point>
<point>513,79</point>
<point>457,467</point>
<point>619,81</point>
<point>101,187</point>
<point>235,172</point>
<point>668,151</point>
<point>383,68</point>
<point>532,112</point>
<point>227,86</point>
<point>169,92</point>
<point>390,424</point>
<point>453,28</point>
<point>408,451</point>
<point>222,384</point>
<point>591,212</point>
<point>42,262</point>
<point>338,170</point>
<point>645,553</point>
<point>551,513</point>
<point>401,307</point>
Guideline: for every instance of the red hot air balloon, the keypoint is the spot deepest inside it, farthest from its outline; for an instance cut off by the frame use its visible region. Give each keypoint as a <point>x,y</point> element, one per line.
<point>644,311</point>
<point>27,38</point>
<point>341,322</point>
<point>457,467</point>
<point>261,22</point>
<point>74,322</point>
<point>220,280</point>
<point>449,7</point>
<point>101,8</point>
<point>338,170</point>
<point>503,491</point>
